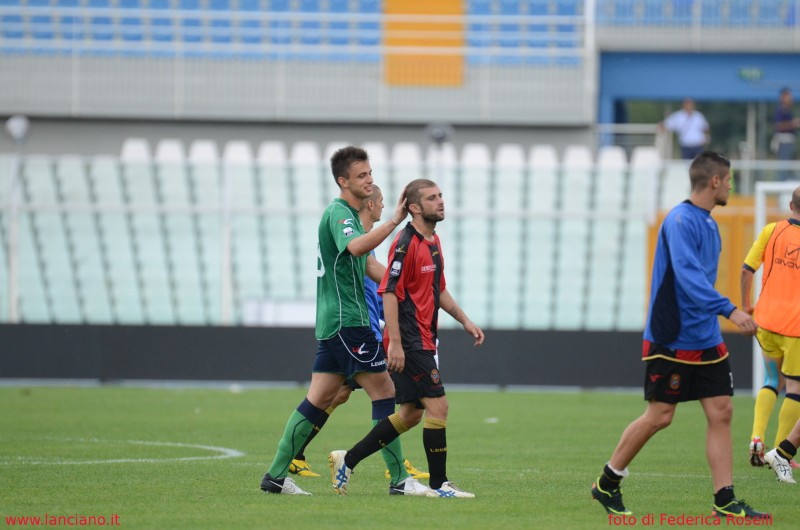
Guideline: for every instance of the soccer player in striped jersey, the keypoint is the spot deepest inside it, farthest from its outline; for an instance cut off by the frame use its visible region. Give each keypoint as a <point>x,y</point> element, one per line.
<point>414,288</point>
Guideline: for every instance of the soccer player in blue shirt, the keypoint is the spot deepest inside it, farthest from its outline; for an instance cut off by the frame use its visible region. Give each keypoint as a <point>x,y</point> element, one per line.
<point>686,358</point>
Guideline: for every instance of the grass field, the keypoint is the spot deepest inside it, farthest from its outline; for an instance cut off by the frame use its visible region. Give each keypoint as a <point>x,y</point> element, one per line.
<point>147,455</point>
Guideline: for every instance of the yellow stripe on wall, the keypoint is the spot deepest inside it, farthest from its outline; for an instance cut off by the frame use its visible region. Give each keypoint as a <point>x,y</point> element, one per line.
<point>414,69</point>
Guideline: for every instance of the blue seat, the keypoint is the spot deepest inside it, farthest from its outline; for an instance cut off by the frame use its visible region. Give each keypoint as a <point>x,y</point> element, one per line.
<point>479,33</point>
<point>220,23</point>
<point>654,13</point>
<point>739,13</point>
<point>769,13</point>
<point>250,30</point>
<point>536,33</point>
<point>162,28</point>
<point>70,26</point>
<point>13,27</point>
<point>509,31</point>
<point>625,13</point>
<point>191,25</point>
<point>567,8</point>
<point>682,12</point>
<point>369,32</point>
<point>131,23</point>
<point>711,13</point>
<point>280,29</point>
<point>100,26</point>
<point>310,30</point>
<point>41,24</point>
<point>339,30</point>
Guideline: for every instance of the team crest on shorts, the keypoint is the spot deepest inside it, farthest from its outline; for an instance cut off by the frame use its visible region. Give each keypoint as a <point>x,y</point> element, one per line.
<point>435,376</point>
<point>675,381</point>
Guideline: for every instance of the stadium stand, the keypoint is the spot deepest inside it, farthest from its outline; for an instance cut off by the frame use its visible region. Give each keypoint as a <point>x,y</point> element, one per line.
<point>165,233</point>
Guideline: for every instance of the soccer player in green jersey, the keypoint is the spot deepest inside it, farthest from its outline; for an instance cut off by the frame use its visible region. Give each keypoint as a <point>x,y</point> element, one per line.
<point>348,348</point>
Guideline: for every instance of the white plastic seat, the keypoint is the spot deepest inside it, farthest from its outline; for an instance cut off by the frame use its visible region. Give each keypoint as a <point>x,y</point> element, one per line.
<point>135,150</point>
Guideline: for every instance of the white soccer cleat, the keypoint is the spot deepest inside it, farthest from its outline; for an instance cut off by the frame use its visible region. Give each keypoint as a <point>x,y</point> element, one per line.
<point>410,486</point>
<point>781,466</point>
<point>288,487</point>
<point>450,490</point>
<point>340,473</point>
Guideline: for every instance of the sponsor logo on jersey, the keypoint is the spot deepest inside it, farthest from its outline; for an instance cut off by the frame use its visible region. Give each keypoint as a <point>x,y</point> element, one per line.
<point>792,252</point>
<point>348,231</point>
<point>400,249</point>
<point>428,268</point>
<point>395,270</point>
<point>345,222</point>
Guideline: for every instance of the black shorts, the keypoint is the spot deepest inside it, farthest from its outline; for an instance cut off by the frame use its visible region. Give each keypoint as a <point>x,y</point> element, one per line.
<point>673,382</point>
<point>349,352</point>
<point>419,379</point>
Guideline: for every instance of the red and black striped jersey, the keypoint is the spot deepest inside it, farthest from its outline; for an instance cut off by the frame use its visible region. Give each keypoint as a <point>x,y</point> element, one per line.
<point>415,274</point>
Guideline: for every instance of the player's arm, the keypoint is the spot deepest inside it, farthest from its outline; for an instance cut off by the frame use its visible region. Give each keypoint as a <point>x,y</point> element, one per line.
<point>746,284</point>
<point>448,303</point>
<point>375,269</point>
<point>689,273</point>
<point>753,260</point>
<point>395,355</point>
<point>365,243</point>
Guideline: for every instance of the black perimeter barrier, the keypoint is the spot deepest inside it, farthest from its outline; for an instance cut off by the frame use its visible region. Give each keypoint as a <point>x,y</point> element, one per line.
<point>109,353</point>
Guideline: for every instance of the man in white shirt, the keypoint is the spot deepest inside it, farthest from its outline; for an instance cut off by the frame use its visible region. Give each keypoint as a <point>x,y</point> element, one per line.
<point>691,127</point>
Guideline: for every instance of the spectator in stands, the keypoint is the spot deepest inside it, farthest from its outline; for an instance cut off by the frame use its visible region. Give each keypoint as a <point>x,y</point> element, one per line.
<point>777,314</point>
<point>784,134</point>
<point>686,358</point>
<point>691,127</point>
<point>348,348</point>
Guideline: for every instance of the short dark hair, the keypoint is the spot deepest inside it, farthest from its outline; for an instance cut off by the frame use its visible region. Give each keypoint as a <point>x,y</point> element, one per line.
<point>796,198</point>
<point>413,190</point>
<point>785,90</point>
<point>343,158</point>
<point>704,166</point>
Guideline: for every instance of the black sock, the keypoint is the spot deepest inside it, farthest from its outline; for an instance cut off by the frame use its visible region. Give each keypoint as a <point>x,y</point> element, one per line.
<point>609,481</point>
<point>434,439</point>
<point>380,435</point>
<point>724,496</point>
<point>787,450</point>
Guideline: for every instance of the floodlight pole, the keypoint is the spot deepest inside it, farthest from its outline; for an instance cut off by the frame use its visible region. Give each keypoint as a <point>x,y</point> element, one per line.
<point>17,127</point>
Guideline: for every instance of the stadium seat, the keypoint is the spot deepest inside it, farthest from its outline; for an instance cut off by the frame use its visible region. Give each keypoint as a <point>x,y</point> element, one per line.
<point>507,288</point>
<point>135,150</point>
<point>406,165</point>
<point>682,12</point>
<point>162,27</point>
<point>12,24</point>
<point>192,27</point>
<point>307,171</point>
<point>100,26</point>
<point>249,28</point>
<point>469,278</point>
<point>41,20</point>
<point>131,23</point>
<point>280,27</point>
<point>71,27</point>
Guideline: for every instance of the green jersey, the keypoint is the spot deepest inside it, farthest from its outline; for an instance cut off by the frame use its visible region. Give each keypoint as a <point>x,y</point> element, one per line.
<point>341,302</point>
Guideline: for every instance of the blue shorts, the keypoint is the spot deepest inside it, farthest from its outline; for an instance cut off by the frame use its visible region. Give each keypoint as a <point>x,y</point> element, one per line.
<point>349,352</point>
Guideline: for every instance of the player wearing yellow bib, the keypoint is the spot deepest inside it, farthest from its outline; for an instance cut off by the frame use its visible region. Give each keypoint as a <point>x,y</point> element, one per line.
<point>777,314</point>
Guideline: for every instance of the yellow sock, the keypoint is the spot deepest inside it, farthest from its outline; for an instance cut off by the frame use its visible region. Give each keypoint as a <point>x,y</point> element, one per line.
<point>765,402</point>
<point>790,413</point>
